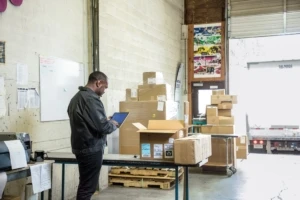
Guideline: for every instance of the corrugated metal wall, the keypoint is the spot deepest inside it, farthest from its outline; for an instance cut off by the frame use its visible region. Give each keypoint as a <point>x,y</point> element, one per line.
<point>253,18</point>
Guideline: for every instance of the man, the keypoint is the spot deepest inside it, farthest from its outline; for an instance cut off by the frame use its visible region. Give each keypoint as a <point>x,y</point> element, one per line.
<point>89,127</point>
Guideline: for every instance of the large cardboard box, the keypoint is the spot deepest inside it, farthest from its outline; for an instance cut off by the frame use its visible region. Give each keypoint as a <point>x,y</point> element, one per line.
<point>224,113</point>
<point>9,197</point>
<point>211,111</point>
<point>217,99</point>
<point>224,105</point>
<point>192,149</point>
<point>220,120</point>
<point>131,94</point>
<point>142,111</point>
<point>242,147</point>
<point>157,141</point>
<point>161,92</point>
<point>218,156</point>
<point>153,78</point>
<point>218,92</point>
<point>217,129</point>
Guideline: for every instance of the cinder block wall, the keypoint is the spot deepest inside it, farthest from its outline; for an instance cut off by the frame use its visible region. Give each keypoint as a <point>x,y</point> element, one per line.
<point>137,36</point>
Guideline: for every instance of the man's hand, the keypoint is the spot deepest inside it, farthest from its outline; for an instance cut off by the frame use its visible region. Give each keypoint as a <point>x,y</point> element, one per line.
<point>114,122</point>
<point>109,118</point>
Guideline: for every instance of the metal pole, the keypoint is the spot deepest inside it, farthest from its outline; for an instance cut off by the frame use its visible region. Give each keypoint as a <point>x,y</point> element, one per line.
<point>176,184</point>
<point>63,181</point>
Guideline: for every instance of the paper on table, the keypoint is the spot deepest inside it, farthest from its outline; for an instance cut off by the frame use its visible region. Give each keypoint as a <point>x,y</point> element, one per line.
<point>16,153</point>
<point>41,177</point>
<point>22,74</point>
<point>22,98</point>
<point>3,181</point>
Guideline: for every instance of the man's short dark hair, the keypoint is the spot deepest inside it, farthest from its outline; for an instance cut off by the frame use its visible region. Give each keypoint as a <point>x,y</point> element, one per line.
<point>97,75</point>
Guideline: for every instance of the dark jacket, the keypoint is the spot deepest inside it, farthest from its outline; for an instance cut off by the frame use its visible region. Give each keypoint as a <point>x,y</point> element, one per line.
<point>89,124</point>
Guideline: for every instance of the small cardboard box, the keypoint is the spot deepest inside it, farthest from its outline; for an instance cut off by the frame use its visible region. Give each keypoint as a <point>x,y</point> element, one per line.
<point>224,105</point>
<point>217,99</point>
<point>192,149</point>
<point>224,113</point>
<point>157,141</point>
<point>131,94</point>
<point>220,120</point>
<point>161,92</point>
<point>218,92</point>
<point>211,111</point>
<point>217,129</point>
<point>242,147</point>
<point>153,78</point>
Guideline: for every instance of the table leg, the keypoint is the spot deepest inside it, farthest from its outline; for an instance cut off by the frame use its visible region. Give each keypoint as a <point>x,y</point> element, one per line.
<point>176,183</point>
<point>186,182</point>
<point>63,181</point>
<point>42,195</point>
<point>50,190</point>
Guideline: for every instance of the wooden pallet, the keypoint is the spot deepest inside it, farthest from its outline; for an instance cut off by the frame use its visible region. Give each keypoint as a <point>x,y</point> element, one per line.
<point>144,182</point>
<point>143,171</point>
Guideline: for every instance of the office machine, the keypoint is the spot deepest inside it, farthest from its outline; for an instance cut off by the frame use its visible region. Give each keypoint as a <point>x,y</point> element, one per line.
<point>24,138</point>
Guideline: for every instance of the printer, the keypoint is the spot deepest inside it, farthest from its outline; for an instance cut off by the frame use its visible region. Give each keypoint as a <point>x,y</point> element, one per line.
<point>24,138</point>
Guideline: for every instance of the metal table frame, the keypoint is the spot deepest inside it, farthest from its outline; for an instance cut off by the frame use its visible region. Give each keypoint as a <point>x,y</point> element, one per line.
<point>69,158</point>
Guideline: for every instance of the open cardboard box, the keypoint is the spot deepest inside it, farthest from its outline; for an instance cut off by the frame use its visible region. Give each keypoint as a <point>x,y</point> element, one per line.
<point>157,140</point>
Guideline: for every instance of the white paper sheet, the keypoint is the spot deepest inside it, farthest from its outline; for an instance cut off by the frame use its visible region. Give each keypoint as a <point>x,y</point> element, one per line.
<point>41,177</point>
<point>2,106</point>
<point>22,98</point>
<point>22,74</point>
<point>160,106</point>
<point>33,99</point>
<point>2,88</point>
<point>16,153</point>
<point>139,126</point>
<point>3,181</point>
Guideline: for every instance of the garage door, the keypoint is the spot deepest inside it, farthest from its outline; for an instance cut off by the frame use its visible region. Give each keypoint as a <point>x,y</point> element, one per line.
<point>253,18</point>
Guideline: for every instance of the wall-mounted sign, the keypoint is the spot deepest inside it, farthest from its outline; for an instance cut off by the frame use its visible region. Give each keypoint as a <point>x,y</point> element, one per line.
<point>207,50</point>
<point>2,52</point>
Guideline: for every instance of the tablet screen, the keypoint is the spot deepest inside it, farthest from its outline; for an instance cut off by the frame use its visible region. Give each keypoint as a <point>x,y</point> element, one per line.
<point>120,117</point>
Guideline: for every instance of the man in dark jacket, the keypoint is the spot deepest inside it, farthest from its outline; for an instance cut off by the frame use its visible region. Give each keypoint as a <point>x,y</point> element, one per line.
<point>89,128</point>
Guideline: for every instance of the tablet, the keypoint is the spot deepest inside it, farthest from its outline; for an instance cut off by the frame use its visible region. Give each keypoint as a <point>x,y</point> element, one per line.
<point>120,117</point>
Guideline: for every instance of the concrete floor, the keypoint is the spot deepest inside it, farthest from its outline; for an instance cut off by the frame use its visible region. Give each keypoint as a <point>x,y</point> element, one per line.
<point>260,177</point>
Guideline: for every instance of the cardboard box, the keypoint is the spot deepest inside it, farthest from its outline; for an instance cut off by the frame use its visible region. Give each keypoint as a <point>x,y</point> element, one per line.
<point>242,147</point>
<point>224,105</point>
<point>224,113</point>
<point>211,111</point>
<point>9,197</point>
<point>161,92</point>
<point>217,129</point>
<point>218,156</point>
<point>157,141</point>
<point>142,111</point>
<point>218,92</point>
<point>131,94</point>
<point>220,120</point>
<point>217,99</point>
<point>192,149</point>
<point>153,78</point>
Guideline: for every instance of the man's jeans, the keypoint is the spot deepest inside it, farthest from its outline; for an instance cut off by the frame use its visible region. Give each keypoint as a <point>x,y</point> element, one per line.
<point>89,171</point>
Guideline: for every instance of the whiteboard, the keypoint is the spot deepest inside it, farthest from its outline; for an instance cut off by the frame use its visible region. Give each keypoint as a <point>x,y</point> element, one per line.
<point>59,82</point>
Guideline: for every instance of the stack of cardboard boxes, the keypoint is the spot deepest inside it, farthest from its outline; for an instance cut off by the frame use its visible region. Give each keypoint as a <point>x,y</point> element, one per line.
<point>151,101</point>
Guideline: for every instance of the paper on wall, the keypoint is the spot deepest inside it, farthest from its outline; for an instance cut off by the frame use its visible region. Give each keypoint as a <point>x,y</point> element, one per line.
<point>160,106</point>
<point>2,106</point>
<point>17,154</point>
<point>3,181</point>
<point>22,98</point>
<point>33,99</point>
<point>41,177</point>
<point>2,88</point>
<point>22,74</point>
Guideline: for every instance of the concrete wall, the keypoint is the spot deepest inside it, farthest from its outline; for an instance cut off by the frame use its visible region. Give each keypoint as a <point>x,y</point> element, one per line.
<point>135,36</point>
